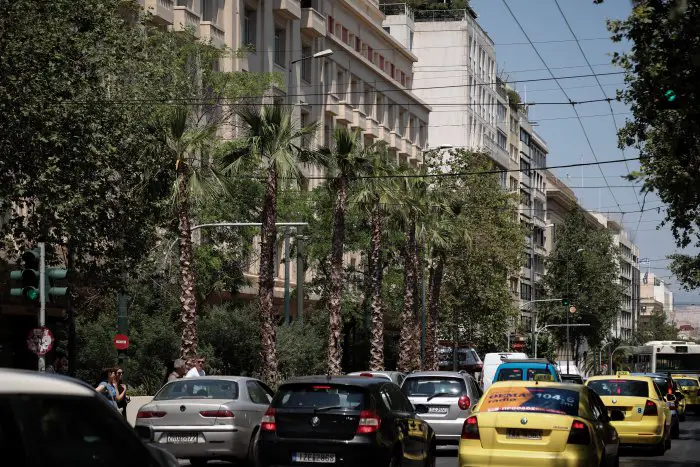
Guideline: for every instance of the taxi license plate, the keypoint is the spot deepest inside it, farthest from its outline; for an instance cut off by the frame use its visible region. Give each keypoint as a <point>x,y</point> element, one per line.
<point>315,458</point>
<point>182,438</point>
<point>437,410</point>
<point>523,434</point>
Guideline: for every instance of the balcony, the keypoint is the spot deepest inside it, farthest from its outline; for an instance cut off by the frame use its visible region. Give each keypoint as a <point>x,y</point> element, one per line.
<point>345,113</point>
<point>395,141</point>
<point>214,33</point>
<point>184,19</point>
<point>372,128</point>
<point>332,105</point>
<point>385,134</point>
<point>288,9</point>
<point>359,119</point>
<point>313,23</point>
<point>162,11</point>
<point>405,147</point>
<point>499,155</point>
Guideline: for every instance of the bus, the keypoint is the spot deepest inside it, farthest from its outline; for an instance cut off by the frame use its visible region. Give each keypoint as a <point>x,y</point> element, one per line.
<point>675,357</point>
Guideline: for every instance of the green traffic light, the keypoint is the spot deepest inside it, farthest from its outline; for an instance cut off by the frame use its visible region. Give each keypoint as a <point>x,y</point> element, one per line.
<point>670,95</point>
<point>565,301</point>
<point>31,293</point>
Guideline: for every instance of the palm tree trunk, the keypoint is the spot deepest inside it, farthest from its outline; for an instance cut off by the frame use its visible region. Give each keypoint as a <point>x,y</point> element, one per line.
<point>407,340</point>
<point>266,283</point>
<point>432,362</point>
<point>188,297</point>
<point>376,362</point>
<point>336,286</point>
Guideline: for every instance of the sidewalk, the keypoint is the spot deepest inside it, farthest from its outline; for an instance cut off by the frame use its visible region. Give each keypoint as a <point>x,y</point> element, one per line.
<point>132,409</point>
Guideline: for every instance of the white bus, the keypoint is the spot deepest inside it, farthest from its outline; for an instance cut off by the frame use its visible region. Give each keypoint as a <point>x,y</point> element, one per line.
<point>679,357</point>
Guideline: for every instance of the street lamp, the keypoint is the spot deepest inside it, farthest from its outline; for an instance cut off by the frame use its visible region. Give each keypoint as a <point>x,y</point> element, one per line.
<point>321,54</point>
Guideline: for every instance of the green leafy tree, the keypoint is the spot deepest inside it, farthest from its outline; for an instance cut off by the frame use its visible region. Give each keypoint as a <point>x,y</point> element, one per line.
<point>656,327</point>
<point>272,142</point>
<point>582,267</point>
<point>662,70</point>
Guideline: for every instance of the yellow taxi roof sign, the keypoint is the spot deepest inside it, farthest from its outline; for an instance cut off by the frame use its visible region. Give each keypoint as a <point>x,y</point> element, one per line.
<point>622,373</point>
<point>544,377</point>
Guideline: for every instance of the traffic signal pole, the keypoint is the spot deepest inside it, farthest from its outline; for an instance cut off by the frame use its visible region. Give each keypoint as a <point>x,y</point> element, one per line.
<point>42,297</point>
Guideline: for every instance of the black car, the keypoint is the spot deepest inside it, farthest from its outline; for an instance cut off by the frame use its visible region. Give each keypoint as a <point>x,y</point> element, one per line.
<point>344,421</point>
<point>573,379</point>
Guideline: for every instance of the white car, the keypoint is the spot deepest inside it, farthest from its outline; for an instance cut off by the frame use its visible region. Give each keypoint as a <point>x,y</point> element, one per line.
<point>48,419</point>
<point>491,363</point>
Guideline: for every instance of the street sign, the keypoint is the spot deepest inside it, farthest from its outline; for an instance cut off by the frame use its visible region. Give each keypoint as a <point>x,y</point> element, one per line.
<point>121,342</point>
<point>40,341</point>
<point>572,309</point>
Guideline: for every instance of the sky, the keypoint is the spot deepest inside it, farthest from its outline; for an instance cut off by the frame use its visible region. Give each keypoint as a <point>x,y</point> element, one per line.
<point>558,125</point>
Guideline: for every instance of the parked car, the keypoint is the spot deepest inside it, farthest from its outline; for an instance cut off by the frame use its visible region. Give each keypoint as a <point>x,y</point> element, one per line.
<point>344,421</point>
<point>213,417</point>
<point>49,419</point>
<point>443,399</point>
<point>467,358</point>
<point>394,376</point>
<point>491,363</point>
<point>574,379</point>
<point>526,369</point>
<point>540,424</point>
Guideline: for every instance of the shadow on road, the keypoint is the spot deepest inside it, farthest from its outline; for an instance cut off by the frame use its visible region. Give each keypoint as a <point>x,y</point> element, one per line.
<point>447,451</point>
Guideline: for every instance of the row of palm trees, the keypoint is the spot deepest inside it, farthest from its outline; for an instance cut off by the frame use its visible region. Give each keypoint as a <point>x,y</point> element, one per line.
<point>365,173</point>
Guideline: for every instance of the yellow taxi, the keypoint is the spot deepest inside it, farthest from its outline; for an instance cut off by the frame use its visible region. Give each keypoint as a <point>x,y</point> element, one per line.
<point>539,424</point>
<point>647,418</point>
<point>690,385</point>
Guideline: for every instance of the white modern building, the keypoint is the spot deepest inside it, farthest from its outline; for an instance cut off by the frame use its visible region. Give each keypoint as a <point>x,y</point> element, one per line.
<point>655,295</point>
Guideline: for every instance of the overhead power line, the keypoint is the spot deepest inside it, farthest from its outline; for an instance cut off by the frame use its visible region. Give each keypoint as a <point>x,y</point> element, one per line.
<point>573,106</point>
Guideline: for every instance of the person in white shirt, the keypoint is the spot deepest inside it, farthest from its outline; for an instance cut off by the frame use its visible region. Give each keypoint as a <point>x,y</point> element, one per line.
<point>196,367</point>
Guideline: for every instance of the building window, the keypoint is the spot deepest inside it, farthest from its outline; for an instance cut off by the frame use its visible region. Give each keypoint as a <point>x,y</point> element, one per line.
<point>381,62</point>
<point>513,184</point>
<point>393,70</point>
<point>345,35</point>
<point>525,137</point>
<point>370,53</point>
<point>410,40</point>
<point>303,121</point>
<point>249,19</point>
<point>525,292</point>
<point>331,24</point>
<point>358,44</point>
<point>306,64</point>
<point>387,29</point>
<point>525,167</point>
<point>502,140</point>
<point>279,47</point>
<point>403,79</point>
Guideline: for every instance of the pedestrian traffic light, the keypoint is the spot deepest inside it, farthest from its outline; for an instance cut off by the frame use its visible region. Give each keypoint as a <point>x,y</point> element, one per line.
<point>565,301</point>
<point>28,276</point>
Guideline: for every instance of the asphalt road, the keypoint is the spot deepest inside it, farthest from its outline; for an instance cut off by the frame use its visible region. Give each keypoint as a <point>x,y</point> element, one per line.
<point>685,451</point>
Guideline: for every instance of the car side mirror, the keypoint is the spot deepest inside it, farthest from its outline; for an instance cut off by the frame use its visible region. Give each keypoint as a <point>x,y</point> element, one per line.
<point>670,398</point>
<point>616,415</point>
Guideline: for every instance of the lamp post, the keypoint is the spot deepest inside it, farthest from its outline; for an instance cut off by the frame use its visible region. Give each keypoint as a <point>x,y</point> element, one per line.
<point>321,54</point>
<point>533,293</point>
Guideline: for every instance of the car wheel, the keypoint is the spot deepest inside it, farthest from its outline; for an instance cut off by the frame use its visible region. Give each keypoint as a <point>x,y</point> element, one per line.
<point>252,457</point>
<point>668,443</point>
<point>675,432</point>
<point>659,449</point>
<point>395,460</point>
<point>431,460</point>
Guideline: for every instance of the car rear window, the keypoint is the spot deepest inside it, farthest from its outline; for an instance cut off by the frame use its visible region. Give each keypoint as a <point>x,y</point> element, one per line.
<point>315,396</point>
<point>431,386</point>
<point>197,388</point>
<point>620,387</point>
<point>532,399</point>
<point>687,382</point>
<point>510,374</point>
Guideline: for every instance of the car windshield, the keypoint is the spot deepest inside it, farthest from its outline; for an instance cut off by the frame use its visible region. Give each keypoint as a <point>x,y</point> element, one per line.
<point>198,388</point>
<point>687,382</point>
<point>318,396</point>
<point>510,374</point>
<point>532,372</point>
<point>531,399</point>
<point>620,387</point>
<point>430,386</point>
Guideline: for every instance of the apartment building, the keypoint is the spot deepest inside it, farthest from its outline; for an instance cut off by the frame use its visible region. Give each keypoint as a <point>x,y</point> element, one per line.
<point>629,277</point>
<point>655,295</point>
<point>366,83</point>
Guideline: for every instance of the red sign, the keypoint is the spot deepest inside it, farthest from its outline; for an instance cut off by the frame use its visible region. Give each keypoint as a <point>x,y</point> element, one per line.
<point>40,341</point>
<point>121,342</point>
<point>517,345</point>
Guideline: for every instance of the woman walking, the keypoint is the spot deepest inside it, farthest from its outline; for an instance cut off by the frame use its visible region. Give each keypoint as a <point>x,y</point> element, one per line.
<point>107,386</point>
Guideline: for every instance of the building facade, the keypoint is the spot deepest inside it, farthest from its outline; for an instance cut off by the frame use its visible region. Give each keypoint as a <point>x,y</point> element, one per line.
<point>655,295</point>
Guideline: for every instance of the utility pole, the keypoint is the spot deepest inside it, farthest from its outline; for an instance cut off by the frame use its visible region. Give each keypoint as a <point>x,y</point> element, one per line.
<point>300,275</point>
<point>122,321</point>
<point>287,297</point>
<point>568,344</point>
<point>42,297</point>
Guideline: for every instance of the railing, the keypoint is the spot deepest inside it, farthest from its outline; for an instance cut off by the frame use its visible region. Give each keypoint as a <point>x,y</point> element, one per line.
<point>397,9</point>
<point>440,15</point>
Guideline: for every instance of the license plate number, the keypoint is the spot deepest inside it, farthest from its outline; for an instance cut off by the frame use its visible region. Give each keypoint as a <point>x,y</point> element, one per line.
<point>184,438</point>
<point>314,457</point>
<point>437,410</point>
<point>523,434</point>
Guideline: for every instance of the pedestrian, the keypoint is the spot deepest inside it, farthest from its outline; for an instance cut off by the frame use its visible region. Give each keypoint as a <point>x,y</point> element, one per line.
<point>107,386</point>
<point>179,370</point>
<point>121,389</point>
<point>196,365</point>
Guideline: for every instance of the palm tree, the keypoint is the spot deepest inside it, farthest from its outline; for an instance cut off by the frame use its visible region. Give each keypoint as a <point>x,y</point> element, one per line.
<point>188,141</point>
<point>374,195</point>
<point>271,141</point>
<point>344,162</point>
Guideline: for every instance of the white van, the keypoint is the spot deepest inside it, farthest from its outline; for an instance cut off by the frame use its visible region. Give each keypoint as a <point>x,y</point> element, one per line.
<point>491,363</point>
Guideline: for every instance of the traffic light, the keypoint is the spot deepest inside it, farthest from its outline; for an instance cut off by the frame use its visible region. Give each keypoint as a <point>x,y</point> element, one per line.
<point>672,99</point>
<point>52,276</point>
<point>565,301</point>
<point>28,275</point>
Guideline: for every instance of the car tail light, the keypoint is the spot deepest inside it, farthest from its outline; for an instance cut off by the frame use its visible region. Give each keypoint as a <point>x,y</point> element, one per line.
<point>268,422</point>
<point>367,375</point>
<point>470,429</point>
<point>217,413</point>
<point>150,414</point>
<point>579,433</point>
<point>650,409</point>
<point>464,402</point>
<point>369,422</point>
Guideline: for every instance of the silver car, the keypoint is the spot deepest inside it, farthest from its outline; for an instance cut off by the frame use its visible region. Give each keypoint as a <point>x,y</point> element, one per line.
<point>444,399</point>
<point>395,377</point>
<point>207,418</point>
